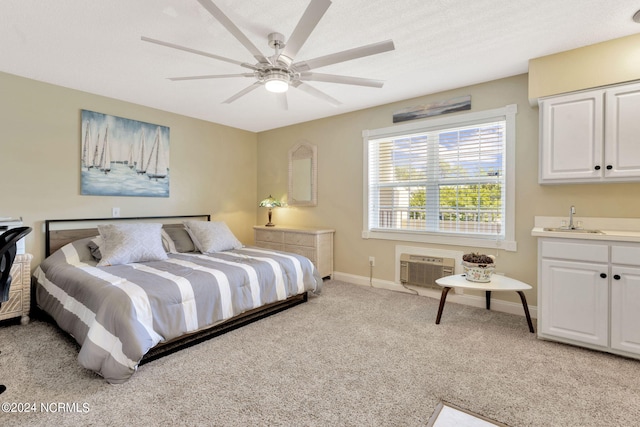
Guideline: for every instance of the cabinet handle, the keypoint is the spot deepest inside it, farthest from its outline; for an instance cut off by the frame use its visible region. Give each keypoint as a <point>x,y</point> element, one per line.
<point>597,167</point>
<point>609,167</point>
<point>616,276</point>
<point>603,275</point>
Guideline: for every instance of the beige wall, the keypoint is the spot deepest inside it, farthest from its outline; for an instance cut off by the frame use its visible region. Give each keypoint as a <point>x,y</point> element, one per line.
<point>226,171</point>
<point>601,64</point>
<point>213,167</point>
<point>340,175</point>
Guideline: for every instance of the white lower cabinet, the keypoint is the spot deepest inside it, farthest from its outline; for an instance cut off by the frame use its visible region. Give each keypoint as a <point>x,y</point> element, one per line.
<point>575,301</point>
<point>589,294</point>
<point>625,298</point>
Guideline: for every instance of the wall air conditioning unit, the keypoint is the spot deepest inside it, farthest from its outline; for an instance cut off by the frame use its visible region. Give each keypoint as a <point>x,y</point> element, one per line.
<point>423,270</point>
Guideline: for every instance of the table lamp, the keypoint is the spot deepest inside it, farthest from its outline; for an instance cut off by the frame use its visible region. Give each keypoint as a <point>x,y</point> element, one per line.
<point>270,203</point>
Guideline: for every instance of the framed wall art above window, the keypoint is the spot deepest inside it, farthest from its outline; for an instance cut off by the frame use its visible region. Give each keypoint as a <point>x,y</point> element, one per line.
<point>447,180</point>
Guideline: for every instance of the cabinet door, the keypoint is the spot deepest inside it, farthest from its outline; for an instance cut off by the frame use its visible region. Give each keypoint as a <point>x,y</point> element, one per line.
<point>571,138</point>
<point>574,301</point>
<point>625,309</point>
<point>622,132</point>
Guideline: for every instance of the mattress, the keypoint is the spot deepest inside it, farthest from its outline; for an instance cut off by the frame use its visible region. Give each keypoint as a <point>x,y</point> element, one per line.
<point>118,313</point>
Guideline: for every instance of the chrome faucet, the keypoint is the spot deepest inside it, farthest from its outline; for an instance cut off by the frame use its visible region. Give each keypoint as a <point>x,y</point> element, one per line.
<point>572,211</point>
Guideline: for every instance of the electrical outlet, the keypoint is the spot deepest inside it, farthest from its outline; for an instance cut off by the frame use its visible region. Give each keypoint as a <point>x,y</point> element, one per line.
<point>372,261</point>
<point>115,212</point>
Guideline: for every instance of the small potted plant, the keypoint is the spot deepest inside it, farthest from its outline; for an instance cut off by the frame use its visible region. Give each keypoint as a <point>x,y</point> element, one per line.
<point>478,267</point>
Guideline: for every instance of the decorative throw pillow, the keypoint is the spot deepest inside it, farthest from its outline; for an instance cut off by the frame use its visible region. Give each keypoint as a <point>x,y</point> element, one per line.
<point>94,246</point>
<point>181,239</point>
<point>212,236</point>
<point>167,242</point>
<point>82,249</point>
<point>126,243</point>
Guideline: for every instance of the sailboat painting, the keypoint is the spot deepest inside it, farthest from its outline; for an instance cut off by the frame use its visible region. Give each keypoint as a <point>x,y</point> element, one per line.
<point>123,157</point>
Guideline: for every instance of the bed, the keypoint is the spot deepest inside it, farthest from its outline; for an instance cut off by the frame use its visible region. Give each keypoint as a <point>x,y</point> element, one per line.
<point>130,290</point>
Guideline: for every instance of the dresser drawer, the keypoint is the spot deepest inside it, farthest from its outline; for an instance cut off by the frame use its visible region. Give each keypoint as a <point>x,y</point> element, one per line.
<point>19,302</point>
<point>13,307</point>
<point>269,236</point>
<point>314,243</point>
<point>310,253</point>
<point>300,239</point>
<point>16,273</point>
<point>271,245</point>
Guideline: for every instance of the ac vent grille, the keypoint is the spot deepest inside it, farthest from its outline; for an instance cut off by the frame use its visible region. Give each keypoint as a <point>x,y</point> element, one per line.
<point>423,270</point>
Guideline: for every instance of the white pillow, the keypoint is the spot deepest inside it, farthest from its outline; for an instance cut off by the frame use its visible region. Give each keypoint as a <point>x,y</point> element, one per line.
<point>212,236</point>
<point>126,243</point>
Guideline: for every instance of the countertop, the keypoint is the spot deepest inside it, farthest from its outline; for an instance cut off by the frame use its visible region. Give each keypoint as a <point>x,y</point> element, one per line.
<point>611,229</point>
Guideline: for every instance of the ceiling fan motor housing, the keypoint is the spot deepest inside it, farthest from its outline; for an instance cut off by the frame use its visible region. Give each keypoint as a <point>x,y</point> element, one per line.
<point>276,41</point>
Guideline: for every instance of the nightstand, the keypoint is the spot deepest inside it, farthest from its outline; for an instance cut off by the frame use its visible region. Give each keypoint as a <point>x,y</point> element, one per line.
<point>314,243</point>
<point>20,291</point>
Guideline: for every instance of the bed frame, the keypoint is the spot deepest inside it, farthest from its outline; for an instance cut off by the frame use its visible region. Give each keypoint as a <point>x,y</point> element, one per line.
<point>57,236</point>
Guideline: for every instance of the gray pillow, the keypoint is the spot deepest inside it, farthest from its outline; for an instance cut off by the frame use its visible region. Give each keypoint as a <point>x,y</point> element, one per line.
<point>127,243</point>
<point>212,236</point>
<point>181,239</point>
<point>94,247</point>
<point>96,242</point>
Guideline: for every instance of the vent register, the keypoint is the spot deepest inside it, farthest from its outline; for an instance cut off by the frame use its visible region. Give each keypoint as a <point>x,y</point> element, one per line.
<point>421,270</point>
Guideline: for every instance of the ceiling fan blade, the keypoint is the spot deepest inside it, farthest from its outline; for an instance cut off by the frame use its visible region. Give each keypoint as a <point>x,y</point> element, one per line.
<point>282,100</point>
<point>242,92</point>
<point>233,29</point>
<point>315,92</point>
<point>347,80</point>
<point>198,52</point>
<point>211,76</point>
<point>345,55</point>
<point>312,15</point>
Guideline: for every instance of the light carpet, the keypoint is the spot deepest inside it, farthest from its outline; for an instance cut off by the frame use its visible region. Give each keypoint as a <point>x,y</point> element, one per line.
<point>353,356</point>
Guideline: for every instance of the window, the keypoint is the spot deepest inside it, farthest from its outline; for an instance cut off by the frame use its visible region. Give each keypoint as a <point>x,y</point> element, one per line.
<point>445,180</point>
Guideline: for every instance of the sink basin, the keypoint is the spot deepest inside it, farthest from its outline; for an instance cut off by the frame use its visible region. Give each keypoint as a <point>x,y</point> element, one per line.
<point>573,230</point>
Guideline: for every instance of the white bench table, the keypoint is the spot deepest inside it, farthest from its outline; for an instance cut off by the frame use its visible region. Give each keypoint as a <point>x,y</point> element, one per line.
<point>497,283</point>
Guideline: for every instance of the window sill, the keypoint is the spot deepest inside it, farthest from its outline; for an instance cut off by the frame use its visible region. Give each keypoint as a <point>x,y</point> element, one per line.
<point>442,239</point>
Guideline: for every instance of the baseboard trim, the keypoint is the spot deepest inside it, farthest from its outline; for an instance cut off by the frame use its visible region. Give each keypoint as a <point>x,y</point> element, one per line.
<point>458,296</point>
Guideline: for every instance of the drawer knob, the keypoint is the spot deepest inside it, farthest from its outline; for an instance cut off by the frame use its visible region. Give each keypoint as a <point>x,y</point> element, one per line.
<point>597,167</point>
<point>603,275</point>
<point>609,167</point>
<point>616,276</point>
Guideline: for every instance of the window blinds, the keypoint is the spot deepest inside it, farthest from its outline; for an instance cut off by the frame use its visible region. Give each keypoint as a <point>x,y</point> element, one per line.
<point>445,180</point>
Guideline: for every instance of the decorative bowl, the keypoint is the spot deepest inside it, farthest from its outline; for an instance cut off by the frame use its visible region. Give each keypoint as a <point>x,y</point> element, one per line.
<point>478,272</point>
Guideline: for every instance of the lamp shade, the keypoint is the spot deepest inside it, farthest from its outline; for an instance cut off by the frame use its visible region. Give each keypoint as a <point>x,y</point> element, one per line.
<point>270,202</point>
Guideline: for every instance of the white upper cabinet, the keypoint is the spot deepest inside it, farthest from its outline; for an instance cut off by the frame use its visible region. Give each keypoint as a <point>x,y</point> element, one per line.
<point>590,136</point>
<point>622,132</point>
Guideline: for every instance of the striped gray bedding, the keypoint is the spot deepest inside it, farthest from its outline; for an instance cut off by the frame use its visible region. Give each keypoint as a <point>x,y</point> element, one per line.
<point>117,313</point>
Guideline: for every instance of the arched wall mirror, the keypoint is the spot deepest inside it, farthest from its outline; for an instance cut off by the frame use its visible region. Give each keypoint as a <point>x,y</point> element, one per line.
<point>303,171</point>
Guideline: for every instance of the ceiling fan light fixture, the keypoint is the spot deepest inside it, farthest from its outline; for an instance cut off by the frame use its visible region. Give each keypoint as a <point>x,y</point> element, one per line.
<point>276,81</point>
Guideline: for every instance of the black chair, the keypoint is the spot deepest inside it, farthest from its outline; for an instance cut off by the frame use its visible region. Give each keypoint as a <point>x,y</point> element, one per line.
<point>8,250</point>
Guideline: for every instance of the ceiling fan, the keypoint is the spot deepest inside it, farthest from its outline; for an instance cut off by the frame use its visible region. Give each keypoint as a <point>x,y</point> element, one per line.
<point>279,71</point>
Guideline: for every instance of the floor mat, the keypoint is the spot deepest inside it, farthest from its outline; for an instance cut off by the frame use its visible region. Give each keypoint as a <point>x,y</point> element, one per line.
<point>448,415</point>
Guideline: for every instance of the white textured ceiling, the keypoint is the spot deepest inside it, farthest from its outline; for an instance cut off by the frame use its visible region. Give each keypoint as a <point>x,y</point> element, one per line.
<point>95,46</point>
